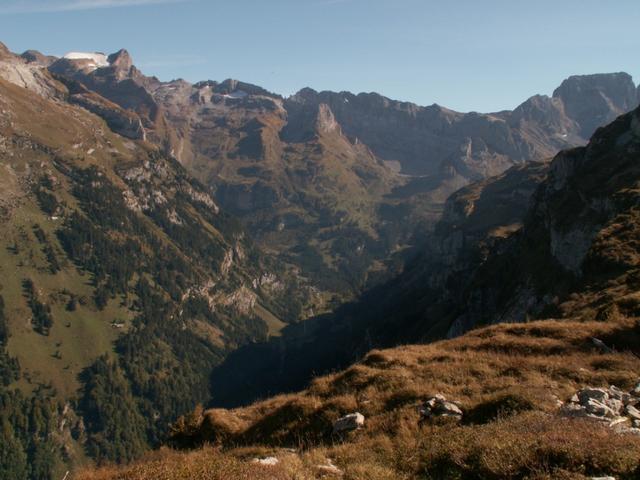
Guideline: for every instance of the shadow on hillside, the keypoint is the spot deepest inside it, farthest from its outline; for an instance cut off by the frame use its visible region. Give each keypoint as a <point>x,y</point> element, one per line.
<point>283,364</point>
<point>388,315</point>
<point>624,339</point>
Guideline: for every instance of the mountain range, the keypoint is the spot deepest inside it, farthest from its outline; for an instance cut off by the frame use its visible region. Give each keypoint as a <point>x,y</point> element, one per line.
<point>308,171</point>
<point>166,244</point>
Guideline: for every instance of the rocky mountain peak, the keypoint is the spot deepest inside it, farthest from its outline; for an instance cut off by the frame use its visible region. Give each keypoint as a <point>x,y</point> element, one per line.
<point>34,56</point>
<point>228,86</point>
<point>305,95</point>
<point>594,100</point>
<point>4,51</point>
<point>121,61</point>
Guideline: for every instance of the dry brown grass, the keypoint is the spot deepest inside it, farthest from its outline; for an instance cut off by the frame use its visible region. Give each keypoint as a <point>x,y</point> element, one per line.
<point>532,445</point>
<point>507,377</point>
<point>204,464</point>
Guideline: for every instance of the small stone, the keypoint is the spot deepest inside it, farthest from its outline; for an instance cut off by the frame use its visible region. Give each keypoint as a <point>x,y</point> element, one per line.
<point>618,421</point>
<point>618,394</point>
<point>447,408</point>
<point>348,423</point>
<point>439,406</point>
<point>267,461</point>
<point>329,469</point>
<point>632,412</point>
<point>616,405</point>
<point>598,408</point>
<point>586,394</point>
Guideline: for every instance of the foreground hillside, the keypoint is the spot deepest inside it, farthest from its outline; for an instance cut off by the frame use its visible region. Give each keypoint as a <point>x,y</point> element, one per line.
<point>508,379</point>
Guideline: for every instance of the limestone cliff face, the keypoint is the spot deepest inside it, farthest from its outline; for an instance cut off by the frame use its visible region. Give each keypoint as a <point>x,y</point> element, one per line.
<point>29,75</point>
<point>587,189</point>
<point>576,236</point>
<point>122,84</point>
<point>474,145</point>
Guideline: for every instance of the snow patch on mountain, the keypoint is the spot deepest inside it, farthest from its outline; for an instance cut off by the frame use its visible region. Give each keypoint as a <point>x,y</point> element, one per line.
<point>236,95</point>
<point>98,60</point>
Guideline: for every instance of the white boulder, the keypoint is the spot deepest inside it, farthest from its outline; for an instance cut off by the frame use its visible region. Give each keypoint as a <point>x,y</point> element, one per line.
<point>348,423</point>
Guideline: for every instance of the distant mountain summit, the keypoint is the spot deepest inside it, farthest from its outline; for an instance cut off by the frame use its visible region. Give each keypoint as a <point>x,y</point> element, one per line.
<point>594,100</point>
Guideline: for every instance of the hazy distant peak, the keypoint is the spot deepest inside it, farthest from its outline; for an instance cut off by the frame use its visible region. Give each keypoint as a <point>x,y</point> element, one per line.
<point>593,100</point>
<point>34,56</point>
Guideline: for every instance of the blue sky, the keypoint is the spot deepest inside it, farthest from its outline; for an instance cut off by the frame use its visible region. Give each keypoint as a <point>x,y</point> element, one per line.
<point>482,55</point>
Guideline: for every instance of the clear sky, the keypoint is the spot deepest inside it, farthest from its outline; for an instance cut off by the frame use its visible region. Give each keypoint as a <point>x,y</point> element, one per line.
<point>482,55</point>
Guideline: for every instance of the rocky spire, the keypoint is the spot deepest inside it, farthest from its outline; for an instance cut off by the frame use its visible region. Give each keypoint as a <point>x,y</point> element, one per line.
<point>4,51</point>
<point>121,62</point>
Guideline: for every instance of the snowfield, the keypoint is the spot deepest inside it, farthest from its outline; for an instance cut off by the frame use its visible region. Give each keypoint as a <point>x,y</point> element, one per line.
<point>98,60</point>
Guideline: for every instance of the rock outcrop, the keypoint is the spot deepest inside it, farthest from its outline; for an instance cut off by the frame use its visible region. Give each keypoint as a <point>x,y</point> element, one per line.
<point>31,76</point>
<point>440,407</point>
<point>619,409</point>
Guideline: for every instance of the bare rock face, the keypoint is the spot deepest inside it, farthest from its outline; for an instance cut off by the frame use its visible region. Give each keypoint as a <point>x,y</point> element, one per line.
<point>326,121</point>
<point>576,232</point>
<point>31,76</point>
<point>121,63</point>
<point>115,79</point>
<point>475,145</point>
<point>123,122</point>
<point>595,100</point>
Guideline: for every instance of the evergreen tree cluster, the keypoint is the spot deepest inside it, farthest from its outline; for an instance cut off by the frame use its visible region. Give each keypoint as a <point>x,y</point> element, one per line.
<point>42,319</point>
<point>28,448</point>
<point>9,367</point>
<point>47,249</point>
